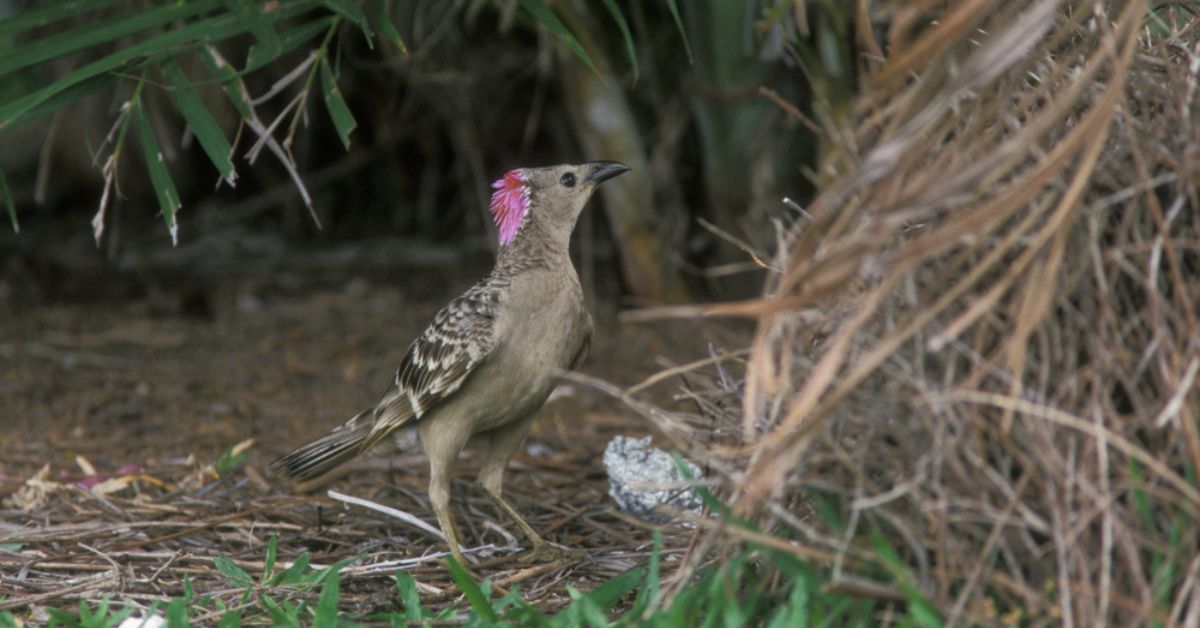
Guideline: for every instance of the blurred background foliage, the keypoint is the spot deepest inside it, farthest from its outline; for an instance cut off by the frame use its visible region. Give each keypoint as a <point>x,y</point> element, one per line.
<point>394,116</point>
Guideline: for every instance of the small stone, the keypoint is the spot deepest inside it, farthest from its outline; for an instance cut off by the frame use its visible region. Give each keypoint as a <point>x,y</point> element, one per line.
<point>641,477</point>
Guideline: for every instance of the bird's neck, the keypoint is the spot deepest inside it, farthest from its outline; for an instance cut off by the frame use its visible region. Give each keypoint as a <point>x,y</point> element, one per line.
<point>536,246</point>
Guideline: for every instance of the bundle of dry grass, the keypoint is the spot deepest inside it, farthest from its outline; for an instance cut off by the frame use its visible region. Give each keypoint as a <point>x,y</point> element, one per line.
<point>985,339</point>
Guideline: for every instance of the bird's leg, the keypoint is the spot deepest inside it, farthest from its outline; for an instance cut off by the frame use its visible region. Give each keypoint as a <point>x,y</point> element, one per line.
<point>535,539</point>
<point>442,444</point>
<point>439,496</point>
<point>542,549</point>
<point>499,446</point>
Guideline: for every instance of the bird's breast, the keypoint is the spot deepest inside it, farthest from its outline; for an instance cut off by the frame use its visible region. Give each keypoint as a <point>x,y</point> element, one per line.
<point>540,330</point>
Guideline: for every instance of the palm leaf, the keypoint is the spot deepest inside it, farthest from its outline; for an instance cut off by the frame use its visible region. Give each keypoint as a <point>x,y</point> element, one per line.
<point>547,18</point>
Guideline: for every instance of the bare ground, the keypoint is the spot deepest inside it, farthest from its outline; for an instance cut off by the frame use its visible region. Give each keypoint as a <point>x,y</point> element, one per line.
<point>114,415</point>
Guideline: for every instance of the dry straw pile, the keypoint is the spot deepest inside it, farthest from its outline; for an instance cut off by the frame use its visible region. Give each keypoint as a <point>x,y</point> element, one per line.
<point>983,339</point>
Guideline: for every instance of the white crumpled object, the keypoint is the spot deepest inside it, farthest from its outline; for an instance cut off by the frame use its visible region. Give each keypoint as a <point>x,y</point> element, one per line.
<point>641,477</point>
<point>147,621</point>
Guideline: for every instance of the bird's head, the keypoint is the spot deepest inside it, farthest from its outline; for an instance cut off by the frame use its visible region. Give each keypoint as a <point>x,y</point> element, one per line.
<point>553,196</point>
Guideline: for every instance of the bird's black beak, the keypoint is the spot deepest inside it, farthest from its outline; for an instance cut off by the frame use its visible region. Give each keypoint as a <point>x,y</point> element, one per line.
<point>604,170</point>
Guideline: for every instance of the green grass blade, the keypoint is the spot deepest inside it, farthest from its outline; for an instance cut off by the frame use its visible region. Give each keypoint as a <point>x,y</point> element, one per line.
<point>164,187</point>
<point>327,605</point>
<point>48,13</point>
<point>619,18</point>
<point>679,25</point>
<point>1163,579</point>
<point>320,575</point>
<point>797,607</point>
<point>705,495</point>
<point>518,612</point>
<point>120,616</point>
<point>255,19</point>
<point>388,29</point>
<point>177,613</point>
<point>269,563</point>
<point>609,593</point>
<point>407,587</point>
<point>827,508</point>
<point>57,101</point>
<point>350,10</point>
<point>841,612</point>
<point>16,112</point>
<point>29,107</point>
<point>212,140</point>
<point>710,500</point>
<point>1141,502</point>
<point>293,574</point>
<point>648,594</point>
<point>343,120</point>
<point>234,574</point>
<point>260,55</point>
<point>61,617</point>
<point>733,610</point>
<point>652,570</point>
<point>214,29</point>
<point>547,18</point>
<point>583,608</point>
<point>230,81</point>
<point>88,35</point>
<point>921,608</point>
<point>474,594</point>
<point>6,196</point>
<point>279,615</point>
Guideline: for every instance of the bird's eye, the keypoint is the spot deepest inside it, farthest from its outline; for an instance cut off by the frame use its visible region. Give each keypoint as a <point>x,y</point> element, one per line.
<point>568,180</point>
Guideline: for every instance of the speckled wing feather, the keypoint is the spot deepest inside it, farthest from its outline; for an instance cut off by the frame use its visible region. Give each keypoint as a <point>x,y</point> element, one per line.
<point>438,361</point>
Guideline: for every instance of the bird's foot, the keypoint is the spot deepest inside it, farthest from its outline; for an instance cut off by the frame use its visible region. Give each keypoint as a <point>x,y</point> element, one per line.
<point>546,552</point>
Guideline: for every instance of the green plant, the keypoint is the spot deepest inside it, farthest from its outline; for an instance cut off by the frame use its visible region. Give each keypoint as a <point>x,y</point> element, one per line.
<point>271,596</point>
<point>103,615</point>
<point>749,585</point>
<point>233,457</point>
<point>168,55</point>
<point>130,48</point>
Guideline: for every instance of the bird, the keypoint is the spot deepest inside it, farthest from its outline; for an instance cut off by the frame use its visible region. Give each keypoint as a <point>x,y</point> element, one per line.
<point>488,361</point>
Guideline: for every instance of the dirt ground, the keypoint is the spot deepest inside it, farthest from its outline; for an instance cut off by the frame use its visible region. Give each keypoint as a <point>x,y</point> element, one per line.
<point>116,411</point>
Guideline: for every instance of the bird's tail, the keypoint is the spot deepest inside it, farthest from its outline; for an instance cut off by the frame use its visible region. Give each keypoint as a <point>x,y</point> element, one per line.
<point>323,455</point>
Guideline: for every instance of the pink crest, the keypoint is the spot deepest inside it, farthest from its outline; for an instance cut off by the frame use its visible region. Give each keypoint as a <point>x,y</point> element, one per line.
<point>510,203</point>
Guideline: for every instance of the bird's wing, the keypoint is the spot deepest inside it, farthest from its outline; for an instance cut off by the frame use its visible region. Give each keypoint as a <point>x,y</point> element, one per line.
<point>440,359</point>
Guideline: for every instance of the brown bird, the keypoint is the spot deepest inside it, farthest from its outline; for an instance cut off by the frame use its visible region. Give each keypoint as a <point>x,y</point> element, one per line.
<point>490,358</point>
